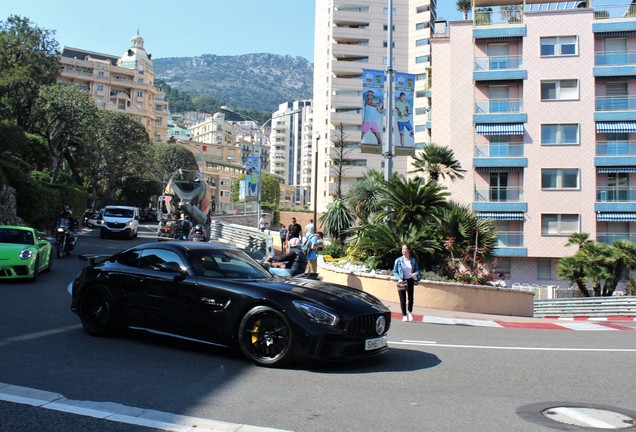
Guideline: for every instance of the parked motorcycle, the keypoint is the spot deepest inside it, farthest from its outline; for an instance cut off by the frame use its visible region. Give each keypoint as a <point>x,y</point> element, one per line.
<point>65,238</point>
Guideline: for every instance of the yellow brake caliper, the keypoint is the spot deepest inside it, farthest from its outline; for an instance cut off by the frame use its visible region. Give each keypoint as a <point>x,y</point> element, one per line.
<point>255,332</point>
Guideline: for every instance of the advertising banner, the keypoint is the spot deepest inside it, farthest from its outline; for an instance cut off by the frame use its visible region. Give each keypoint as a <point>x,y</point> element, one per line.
<point>252,177</point>
<point>404,136</point>
<point>372,111</point>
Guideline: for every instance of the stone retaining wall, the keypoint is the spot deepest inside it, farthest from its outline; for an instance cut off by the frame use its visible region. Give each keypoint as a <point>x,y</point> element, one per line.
<point>8,209</point>
<point>438,295</point>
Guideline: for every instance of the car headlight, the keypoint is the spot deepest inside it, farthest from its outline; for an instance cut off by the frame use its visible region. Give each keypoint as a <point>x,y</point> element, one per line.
<point>315,313</point>
<point>60,230</point>
<point>26,254</point>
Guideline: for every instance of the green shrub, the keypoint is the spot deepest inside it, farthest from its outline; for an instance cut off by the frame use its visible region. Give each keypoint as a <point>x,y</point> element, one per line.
<point>335,250</point>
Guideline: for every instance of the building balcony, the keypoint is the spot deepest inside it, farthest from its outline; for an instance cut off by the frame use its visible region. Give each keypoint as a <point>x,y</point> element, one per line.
<point>499,199</point>
<point>351,34</point>
<point>499,155</point>
<point>509,239</point>
<point>348,66</point>
<point>608,238</point>
<point>500,111</point>
<point>615,108</point>
<point>615,11</point>
<point>499,68</point>
<point>340,51</point>
<point>614,63</point>
<point>351,17</point>
<point>615,199</point>
<point>615,153</point>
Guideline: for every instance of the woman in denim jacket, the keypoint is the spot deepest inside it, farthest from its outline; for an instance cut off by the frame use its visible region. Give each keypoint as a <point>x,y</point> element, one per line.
<point>406,273</point>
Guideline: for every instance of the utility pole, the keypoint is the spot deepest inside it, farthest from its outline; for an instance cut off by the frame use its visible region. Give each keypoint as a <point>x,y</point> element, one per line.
<point>388,95</point>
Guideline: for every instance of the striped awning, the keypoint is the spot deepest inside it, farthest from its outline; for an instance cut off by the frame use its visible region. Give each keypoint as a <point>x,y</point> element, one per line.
<point>501,215</point>
<point>499,128</point>
<point>498,169</point>
<point>614,170</point>
<point>616,217</point>
<point>616,127</point>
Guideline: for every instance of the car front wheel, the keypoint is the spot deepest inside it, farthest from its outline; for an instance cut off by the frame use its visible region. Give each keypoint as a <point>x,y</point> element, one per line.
<point>265,337</point>
<point>97,311</point>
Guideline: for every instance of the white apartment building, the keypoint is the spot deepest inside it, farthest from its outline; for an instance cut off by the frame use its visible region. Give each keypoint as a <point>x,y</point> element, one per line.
<point>291,149</point>
<point>351,36</point>
<point>119,83</point>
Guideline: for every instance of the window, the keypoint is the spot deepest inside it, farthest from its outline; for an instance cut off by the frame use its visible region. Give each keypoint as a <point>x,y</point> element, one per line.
<point>544,269</point>
<point>140,94</point>
<point>558,46</point>
<point>422,59</point>
<point>560,90</point>
<point>421,26</point>
<point>421,42</point>
<point>559,134</point>
<point>100,87</point>
<point>100,73</point>
<point>560,178</point>
<point>559,224</point>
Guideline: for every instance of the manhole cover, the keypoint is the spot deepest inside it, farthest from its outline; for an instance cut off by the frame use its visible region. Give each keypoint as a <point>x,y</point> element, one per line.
<point>590,417</point>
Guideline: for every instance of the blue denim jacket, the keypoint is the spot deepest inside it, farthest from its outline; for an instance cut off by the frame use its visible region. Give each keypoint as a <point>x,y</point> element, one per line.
<point>399,273</point>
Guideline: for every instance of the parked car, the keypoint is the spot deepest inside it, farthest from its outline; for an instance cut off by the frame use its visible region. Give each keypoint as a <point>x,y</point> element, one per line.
<point>218,295</point>
<point>24,253</point>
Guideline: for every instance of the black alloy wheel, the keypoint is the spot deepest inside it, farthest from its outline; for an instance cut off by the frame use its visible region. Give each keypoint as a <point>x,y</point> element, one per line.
<point>97,311</point>
<point>265,337</point>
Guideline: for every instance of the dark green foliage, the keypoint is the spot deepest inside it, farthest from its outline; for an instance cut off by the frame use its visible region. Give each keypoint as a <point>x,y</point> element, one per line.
<point>137,191</point>
<point>337,220</point>
<point>334,250</point>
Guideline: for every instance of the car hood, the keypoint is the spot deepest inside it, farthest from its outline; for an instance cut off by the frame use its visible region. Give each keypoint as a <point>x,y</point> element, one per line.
<point>330,295</point>
<point>13,248</point>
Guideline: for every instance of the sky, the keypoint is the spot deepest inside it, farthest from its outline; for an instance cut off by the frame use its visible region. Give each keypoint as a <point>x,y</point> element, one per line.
<point>175,29</point>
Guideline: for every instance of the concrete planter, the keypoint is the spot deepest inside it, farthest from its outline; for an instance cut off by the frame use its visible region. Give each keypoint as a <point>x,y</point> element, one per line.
<point>438,295</point>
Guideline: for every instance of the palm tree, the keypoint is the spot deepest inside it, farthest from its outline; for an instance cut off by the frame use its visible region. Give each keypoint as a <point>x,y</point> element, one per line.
<point>464,6</point>
<point>571,269</point>
<point>337,220</point>
<point>438,162</point>
<point>624,258</point>
<point>410,202</point>
<point>363,195</point>
<point>581,239</point>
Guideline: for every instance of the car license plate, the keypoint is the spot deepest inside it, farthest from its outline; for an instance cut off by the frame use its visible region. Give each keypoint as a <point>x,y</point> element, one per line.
<point>371,344</point>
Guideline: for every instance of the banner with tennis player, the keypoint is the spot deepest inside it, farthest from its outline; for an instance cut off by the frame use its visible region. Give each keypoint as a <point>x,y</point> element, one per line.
<point>372,111</point>
<point>403,93</point>
<point>251,178</point>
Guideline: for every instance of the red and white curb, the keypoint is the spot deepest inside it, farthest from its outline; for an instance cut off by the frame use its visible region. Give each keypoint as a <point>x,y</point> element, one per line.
<point>586,325</point>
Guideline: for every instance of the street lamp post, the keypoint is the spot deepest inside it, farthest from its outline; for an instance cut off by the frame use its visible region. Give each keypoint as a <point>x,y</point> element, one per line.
<point>316,183</point>
<point>260,156</point>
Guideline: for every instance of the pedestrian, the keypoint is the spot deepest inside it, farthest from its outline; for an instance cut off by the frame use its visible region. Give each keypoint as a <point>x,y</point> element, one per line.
<point>283,238</point>
<point>500,281</point>
<point>407,274</point>
<point>312,257</point>
<point>310,228</point>
<point>294,230</point>
<point>292,263</point>
<point>262,223</point>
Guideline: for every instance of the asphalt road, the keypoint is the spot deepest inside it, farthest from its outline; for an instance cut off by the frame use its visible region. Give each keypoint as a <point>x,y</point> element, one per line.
<point>435,378</point>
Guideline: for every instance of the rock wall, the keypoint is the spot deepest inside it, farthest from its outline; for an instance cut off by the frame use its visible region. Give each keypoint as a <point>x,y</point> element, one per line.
<point>8,209</point>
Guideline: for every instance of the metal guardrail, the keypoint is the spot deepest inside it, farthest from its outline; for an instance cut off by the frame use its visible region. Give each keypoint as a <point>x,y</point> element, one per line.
<point>587,306</point>
<point>256,243</point>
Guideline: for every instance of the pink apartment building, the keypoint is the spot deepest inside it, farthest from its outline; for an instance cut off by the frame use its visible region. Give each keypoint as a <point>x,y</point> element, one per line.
<point>534,99</point>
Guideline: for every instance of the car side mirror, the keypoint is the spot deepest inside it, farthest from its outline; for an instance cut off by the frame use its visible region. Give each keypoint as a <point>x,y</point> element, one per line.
<point>173,267</point>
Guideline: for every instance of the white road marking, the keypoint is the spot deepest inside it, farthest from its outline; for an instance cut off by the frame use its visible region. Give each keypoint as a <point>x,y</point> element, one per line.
<point>44,333</point>
<point>121,413</point>
<point>460,321</point>
<point>509,348</point>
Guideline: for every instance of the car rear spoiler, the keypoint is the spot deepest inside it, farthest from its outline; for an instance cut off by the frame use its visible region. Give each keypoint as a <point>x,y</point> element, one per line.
<point>92,259</point>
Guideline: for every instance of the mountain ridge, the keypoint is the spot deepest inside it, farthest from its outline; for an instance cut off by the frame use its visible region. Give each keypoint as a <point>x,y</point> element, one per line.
<point>259,81</point>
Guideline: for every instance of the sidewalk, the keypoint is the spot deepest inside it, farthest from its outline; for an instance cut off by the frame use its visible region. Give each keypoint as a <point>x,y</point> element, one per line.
<point>447,317</point>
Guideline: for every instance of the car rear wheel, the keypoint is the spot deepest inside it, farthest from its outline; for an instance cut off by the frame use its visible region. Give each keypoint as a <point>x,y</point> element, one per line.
<point>49,267</point>
<point>97,311</point>
<point>265,337</point>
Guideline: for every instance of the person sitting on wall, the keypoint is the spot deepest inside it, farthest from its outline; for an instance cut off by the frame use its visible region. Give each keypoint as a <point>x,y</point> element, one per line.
<point>292,263</point>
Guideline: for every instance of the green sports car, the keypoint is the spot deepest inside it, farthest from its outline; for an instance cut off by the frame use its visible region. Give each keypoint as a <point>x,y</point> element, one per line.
<point>23,253</point>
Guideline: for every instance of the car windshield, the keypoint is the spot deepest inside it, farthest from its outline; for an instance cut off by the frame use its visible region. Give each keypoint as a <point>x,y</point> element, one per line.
<point>226,263</point>
<point>16,236</point>
<point>118,212</point>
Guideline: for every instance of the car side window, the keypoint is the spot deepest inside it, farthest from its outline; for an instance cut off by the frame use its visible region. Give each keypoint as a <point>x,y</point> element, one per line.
<point>152,258</point>
<point>130,258</point>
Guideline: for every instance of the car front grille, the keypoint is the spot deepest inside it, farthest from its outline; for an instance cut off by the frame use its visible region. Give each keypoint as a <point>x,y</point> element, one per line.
<point>115,225</point>
<point>364,326</point>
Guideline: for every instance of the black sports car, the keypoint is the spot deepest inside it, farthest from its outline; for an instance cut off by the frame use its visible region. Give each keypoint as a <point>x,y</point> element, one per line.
<point>219,295</point>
